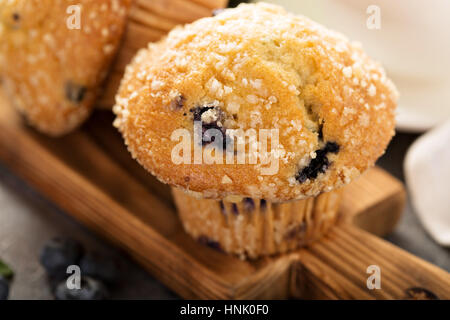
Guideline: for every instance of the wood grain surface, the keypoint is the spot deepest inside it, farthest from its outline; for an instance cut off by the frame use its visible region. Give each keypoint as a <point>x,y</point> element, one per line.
<point>91,176</point>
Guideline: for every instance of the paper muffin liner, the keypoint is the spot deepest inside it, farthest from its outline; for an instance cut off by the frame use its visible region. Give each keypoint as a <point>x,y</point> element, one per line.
<point>253,228</point>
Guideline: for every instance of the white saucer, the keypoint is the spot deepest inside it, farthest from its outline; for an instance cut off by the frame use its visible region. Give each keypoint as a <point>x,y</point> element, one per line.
<point>423,107</point>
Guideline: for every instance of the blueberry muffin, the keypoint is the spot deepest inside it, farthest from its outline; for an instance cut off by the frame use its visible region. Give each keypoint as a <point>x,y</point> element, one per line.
<point>52,69</point>
<point>196,109</point>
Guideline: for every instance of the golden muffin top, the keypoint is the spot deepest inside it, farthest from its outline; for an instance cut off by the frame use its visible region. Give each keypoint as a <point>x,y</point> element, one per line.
<point>300,109</point>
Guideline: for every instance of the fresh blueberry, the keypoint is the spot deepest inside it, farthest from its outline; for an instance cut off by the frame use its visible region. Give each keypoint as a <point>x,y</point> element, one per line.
<point>249,204</point>
<point>198,111</point>
<point>58,254</point>
<point>100,267</point>
<point>16,17</point>
<point>320,133</point>
<point>222,207</point>
<point>90,289</point>
<point>4,288</point>
<point>215,124</point>
<point>204,240</point>
<point>75,92</point>
<point>235,209</point>
<point>178,102</point>
<point>319,164</point>
<point>263,204</point>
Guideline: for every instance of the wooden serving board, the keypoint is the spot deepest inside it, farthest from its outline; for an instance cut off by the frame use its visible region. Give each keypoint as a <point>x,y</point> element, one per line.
<point>91,176</point>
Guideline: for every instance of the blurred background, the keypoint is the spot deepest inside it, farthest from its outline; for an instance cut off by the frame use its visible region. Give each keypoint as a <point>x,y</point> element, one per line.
<point>412,42</point>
